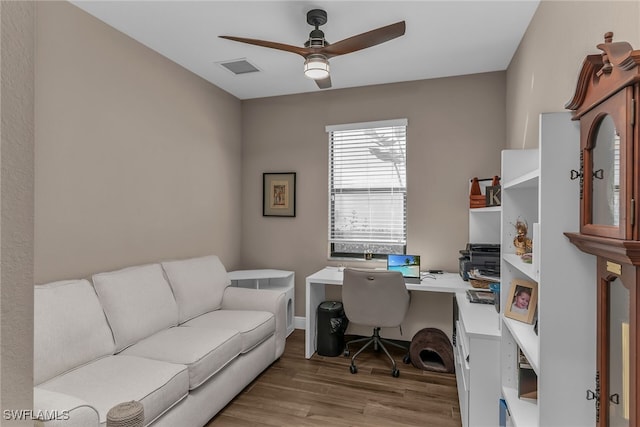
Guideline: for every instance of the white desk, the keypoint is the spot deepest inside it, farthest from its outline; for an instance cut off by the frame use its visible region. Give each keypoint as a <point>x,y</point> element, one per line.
<point>447,282</point>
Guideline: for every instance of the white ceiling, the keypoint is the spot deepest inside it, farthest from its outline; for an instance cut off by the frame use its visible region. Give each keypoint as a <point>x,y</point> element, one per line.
<point>443,38</point>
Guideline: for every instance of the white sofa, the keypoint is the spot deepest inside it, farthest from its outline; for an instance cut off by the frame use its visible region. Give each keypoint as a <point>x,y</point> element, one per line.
<point>173,336</point>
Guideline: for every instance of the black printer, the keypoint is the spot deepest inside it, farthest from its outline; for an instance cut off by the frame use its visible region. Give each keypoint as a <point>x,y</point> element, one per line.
<point>482,256</point>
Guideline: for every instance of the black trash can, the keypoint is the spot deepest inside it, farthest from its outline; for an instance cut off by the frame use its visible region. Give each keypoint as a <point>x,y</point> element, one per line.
<point>331,325</point>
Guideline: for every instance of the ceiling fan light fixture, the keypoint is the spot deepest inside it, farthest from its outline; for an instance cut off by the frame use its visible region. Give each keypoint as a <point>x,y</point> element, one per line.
<point>316,67</point>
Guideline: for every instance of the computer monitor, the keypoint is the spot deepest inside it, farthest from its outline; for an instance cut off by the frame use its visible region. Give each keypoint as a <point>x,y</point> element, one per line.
<point>408,265</point>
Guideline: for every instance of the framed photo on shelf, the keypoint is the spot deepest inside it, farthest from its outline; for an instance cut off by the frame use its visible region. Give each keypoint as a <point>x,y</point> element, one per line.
<point>279,194</point>
<point>522,300</point>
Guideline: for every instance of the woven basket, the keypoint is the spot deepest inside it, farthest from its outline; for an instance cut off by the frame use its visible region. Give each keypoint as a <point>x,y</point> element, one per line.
<point>480,284</point>
<point>126,414</point>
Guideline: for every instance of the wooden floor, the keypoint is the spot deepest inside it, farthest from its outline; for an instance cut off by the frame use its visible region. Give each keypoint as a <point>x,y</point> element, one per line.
<point>321,391</point>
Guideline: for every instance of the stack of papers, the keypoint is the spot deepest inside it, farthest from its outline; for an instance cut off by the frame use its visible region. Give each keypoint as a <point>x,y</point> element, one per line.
<point>480,297</point>
<point>483,275</point>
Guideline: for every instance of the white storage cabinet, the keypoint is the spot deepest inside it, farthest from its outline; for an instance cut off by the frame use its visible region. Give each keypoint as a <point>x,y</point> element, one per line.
<point>269,279</point>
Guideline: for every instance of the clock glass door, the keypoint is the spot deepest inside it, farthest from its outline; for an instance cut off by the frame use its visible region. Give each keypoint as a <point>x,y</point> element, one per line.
<point>607,191</point>
<point>618,357</point>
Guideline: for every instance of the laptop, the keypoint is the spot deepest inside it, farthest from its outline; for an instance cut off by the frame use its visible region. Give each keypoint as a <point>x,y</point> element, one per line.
<point>408,265</point>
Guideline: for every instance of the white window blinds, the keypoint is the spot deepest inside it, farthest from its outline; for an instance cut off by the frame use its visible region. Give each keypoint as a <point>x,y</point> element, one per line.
<point>367,188</point>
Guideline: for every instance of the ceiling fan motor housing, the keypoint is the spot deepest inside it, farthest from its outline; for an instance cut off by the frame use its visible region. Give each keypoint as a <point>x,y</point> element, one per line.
<point>316,17</point>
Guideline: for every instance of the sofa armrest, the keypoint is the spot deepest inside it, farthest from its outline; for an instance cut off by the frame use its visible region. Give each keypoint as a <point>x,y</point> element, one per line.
<point>55,409</point>
<point>271,300</point>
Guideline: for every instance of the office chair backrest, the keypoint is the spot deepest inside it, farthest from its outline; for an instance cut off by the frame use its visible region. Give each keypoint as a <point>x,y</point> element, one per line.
<point>374,298</point>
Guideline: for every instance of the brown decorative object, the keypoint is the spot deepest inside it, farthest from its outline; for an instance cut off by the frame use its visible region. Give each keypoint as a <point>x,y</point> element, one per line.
<point>605,102</point>
<point>431,350</point>
<point>476,198</point>
<point>521,242</point>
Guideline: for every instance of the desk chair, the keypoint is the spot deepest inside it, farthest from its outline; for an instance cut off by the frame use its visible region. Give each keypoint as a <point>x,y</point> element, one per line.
<point>379,299</point>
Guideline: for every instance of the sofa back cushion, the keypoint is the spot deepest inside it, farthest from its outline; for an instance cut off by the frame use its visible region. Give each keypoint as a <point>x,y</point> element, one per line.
<point>138,302</point>
<point>198,284</point>
<point>69,328</point>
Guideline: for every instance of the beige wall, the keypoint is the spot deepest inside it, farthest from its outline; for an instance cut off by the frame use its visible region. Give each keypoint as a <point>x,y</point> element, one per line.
<point>137,159</point>
<point>17,52</point>
<point>456,131</point>
<point>544,71</point>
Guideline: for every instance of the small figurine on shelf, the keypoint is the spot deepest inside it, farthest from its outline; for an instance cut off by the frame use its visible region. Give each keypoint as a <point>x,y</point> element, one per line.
<point>521,242</point>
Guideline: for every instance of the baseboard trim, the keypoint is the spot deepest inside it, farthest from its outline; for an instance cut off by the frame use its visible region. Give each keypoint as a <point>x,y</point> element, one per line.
<point>299,322</point>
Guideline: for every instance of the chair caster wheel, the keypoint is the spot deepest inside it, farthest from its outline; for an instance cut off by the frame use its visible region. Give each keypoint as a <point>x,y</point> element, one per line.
<point>406,359</point>
<point>395,373</point>
<point>346,353</point>
<point>353,369</point>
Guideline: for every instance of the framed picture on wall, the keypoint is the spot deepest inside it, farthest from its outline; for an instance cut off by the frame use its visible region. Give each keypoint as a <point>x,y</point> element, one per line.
<point>279,194</point>
<point>522,300</point>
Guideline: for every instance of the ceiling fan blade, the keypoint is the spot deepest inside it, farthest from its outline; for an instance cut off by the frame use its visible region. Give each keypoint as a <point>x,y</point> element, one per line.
<point>324,83</point>
<point>364,40</point>
<point>303,51</point>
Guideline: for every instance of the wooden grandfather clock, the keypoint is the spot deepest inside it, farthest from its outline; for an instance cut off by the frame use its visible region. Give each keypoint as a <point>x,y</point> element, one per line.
<point>606,103</point>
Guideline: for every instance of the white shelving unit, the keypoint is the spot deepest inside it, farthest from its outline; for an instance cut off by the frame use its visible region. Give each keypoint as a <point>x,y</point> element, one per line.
<point>477,349</point>
<point>269,279</point>
<point>537,189</point>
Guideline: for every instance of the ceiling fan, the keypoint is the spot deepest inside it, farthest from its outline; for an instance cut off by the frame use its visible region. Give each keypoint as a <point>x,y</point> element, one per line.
<point>317,51</point>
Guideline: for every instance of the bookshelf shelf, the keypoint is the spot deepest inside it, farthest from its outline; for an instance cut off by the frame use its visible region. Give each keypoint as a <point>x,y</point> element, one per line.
<point>523,267</point>
<point>524,412</point>
<point>526,339</point>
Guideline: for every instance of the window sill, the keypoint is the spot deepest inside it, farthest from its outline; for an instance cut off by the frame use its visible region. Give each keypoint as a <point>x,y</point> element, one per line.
<point>344,260</point>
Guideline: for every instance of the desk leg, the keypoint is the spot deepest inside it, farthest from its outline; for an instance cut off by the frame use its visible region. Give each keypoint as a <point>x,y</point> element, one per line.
<point>315,295</point>
<point>454,332</point>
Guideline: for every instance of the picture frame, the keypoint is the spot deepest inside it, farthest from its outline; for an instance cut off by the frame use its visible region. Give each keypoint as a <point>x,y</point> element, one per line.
<point>522,300</point>
<point>279,194</point>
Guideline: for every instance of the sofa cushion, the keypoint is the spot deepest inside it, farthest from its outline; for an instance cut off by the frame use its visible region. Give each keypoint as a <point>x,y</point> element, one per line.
<point>138,302</point>
<point>54,409</point>
<point>69,328</point>
<point>254,326</point>
<point>115,379</point>
<point>203,351</point>
<point>198,284</point>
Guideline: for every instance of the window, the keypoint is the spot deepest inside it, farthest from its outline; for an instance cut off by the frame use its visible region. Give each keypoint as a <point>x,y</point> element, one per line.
<point>368,189</point>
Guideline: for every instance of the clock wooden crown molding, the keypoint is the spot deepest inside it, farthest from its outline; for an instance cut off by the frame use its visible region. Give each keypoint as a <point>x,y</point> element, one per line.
<point>603,74</point>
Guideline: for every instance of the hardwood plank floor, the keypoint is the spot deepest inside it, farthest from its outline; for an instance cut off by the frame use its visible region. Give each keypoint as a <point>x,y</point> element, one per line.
<point>321,391</point>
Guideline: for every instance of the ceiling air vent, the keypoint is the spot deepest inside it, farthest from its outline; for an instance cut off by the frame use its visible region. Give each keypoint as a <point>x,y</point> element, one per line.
<point>239,66</point>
